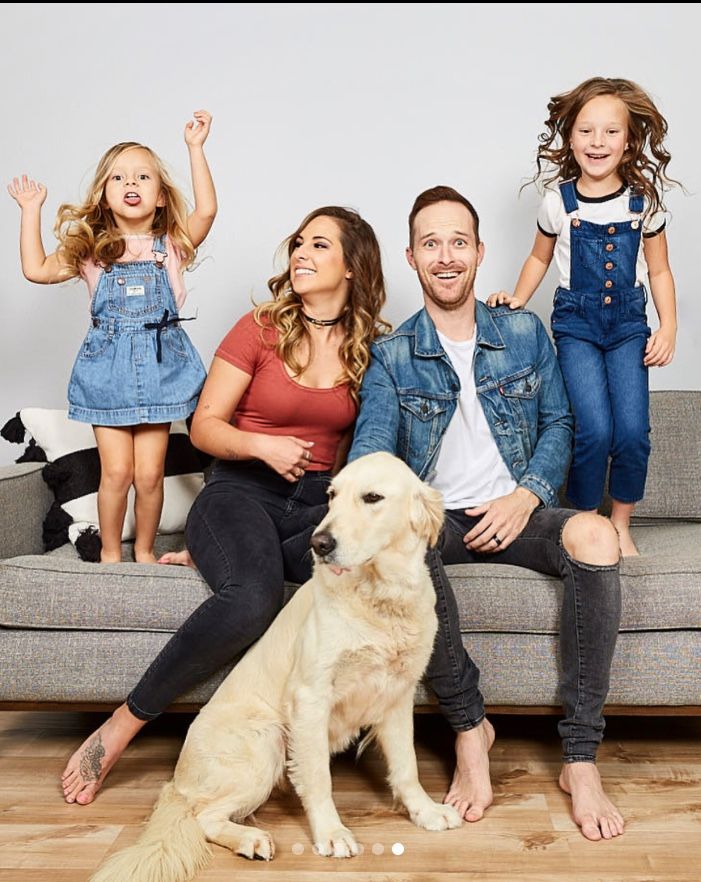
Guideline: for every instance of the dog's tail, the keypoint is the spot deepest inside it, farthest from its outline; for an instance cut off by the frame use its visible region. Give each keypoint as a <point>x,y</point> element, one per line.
<point>172,848</point>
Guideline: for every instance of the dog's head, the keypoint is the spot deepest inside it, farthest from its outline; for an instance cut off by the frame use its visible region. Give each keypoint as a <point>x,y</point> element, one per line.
<point>377,503</point>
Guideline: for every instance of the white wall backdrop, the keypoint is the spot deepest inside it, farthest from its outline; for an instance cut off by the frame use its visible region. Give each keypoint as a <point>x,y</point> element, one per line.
<point>348,103</point>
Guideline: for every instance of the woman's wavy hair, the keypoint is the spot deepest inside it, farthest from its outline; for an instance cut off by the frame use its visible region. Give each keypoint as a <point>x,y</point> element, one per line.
<point>361,322</point>
<point>644,163</point>
<point>88,231</point>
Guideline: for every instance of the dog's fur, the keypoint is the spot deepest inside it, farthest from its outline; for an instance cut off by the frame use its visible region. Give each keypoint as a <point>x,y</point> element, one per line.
<point>345,653</point>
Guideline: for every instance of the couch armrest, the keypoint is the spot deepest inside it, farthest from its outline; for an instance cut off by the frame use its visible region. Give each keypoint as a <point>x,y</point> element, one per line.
<point>24,501</point>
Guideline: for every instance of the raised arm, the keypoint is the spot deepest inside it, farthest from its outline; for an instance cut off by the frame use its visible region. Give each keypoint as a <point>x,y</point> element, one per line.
<point>36,266</point>
<point>212,430</point>
<point>659,350</point>
<point>532,273</point>
<point>200,221</point>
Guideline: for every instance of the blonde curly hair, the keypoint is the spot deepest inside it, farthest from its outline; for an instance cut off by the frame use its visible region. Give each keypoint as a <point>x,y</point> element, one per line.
<point>88,231</point>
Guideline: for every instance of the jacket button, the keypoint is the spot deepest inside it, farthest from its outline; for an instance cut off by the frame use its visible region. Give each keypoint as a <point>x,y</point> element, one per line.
<point>635,224</point>
<point>576,222</point>
<point>424,409</point>
<point>608,283</point>
<point>607,300</point>
<point>120,281</point>
<point>608,265</point>
<point>611,230</point>
<point>609,246</point>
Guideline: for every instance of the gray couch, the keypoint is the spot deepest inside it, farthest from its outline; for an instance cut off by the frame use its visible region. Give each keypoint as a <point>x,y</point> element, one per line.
<point>80,634</point>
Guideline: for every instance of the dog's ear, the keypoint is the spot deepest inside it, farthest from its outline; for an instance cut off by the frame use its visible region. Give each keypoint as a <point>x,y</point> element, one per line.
<point>426,513</point>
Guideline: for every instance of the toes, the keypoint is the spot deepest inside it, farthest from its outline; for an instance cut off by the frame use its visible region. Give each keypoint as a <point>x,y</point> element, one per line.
<point>70,793</point>
<point>474,813</point>
<point>87,794</point>
<point>69,779</point>
<point>590,829</point>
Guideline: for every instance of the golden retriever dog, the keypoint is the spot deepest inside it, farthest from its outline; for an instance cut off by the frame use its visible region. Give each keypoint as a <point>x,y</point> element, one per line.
<point>345,654</point>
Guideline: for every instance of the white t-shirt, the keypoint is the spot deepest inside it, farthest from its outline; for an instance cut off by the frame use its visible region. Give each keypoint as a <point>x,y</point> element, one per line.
<point>553,221</point>
<point>469,470</point>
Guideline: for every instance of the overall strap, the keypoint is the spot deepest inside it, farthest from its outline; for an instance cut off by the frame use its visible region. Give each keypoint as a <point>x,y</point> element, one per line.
<point>635,201</point>
<point>159,251</point>
<point>568,192</point>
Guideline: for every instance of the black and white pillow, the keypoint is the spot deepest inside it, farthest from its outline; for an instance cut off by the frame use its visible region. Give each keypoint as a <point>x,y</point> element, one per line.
<point>73,473</point>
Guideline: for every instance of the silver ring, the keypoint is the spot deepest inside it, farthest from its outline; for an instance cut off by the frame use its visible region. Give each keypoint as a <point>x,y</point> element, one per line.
<point>496,539</point>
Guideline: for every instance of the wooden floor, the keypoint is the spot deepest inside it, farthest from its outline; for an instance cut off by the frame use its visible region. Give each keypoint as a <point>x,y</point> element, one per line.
<point>651,766</point>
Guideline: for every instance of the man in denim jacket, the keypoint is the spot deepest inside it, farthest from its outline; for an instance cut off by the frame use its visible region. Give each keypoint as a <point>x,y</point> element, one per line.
<point>472,399</point>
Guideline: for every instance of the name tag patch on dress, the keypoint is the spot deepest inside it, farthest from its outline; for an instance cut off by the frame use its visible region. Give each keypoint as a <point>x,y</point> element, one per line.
<point>135,290</point>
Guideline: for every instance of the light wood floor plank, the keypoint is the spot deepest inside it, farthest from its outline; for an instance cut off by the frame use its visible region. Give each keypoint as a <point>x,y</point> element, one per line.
<point>651,768</point>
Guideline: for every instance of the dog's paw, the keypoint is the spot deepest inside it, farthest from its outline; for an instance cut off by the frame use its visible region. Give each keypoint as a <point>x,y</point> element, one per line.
<point>435,816</point>
<point>256,843</point>
<point>340,844</point>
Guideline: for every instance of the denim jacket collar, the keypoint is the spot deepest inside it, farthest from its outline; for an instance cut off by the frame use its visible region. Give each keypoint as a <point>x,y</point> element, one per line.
<point>427,344</point>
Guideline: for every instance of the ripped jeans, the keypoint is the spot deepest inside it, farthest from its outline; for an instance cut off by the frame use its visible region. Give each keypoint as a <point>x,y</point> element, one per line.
<point>589,619</point>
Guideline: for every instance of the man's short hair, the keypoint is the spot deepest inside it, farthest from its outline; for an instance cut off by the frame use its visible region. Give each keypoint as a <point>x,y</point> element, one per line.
<point>441,194</point>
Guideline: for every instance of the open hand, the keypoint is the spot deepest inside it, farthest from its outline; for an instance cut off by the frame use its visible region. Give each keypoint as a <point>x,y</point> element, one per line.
<point>27,192</point>
<point>196,132</point>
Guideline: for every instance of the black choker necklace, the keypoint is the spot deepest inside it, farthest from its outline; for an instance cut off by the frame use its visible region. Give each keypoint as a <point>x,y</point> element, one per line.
<point>323,323</point>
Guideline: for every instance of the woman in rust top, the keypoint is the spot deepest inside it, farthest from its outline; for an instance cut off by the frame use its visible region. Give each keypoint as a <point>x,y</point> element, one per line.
<point>277,411</point>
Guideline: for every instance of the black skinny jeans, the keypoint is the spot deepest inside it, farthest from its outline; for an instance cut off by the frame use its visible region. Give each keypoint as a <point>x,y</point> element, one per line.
<point>246,533</point>
<point>589,619</point>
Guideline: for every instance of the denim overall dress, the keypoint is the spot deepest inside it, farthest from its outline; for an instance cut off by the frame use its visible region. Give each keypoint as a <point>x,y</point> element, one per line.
<point>136,364</point>
<point>600,330</point>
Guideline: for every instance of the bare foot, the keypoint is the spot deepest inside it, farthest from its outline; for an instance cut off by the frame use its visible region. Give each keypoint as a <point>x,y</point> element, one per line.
<point>471,790</point>
<point>625,540</point>
<point>89,765</point>
<point>178,558</point>
<point>592,809</point>
<point>108,557</point>
<point>145,557</point>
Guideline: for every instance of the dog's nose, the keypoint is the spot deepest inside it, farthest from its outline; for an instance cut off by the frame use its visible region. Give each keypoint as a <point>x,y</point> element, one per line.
<point>323,543</point>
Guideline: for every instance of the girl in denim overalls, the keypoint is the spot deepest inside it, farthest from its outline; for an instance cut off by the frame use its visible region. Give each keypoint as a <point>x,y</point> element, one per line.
<point>137,370</point>
<point>604,224</point>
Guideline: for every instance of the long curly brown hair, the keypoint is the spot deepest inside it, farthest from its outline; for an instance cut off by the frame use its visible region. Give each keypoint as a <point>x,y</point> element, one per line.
<point>88,231</point>
<point>644,163</point>
<point>362,321</point>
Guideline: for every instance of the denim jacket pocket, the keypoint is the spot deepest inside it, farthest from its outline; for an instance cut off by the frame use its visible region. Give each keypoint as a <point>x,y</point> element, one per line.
<point>421,406</point>
<point>422,426</point>
<point>526,386</point>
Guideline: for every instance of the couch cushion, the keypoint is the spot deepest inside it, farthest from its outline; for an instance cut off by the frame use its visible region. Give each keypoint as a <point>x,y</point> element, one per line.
<point>673,488</point>
<point>59,591</point>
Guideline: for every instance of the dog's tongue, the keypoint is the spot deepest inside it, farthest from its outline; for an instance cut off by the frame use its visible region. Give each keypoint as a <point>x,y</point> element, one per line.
<point>338,570</point>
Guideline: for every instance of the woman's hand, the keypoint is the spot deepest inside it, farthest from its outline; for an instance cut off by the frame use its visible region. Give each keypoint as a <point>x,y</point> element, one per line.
<point>27,192</point>
<point>285,454</point>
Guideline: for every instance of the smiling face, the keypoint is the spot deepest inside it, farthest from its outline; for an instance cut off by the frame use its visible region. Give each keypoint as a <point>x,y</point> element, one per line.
<point>445,254</point>
<point>598,139</point>
<point>317,263</point>
<point>133,190</point>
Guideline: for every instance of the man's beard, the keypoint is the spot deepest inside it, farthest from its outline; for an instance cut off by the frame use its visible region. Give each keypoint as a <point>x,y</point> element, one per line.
<point>450,305</point>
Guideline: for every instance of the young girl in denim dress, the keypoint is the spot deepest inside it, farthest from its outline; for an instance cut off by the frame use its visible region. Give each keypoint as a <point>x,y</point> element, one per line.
<point>137,370</point>
<point>604,223</point>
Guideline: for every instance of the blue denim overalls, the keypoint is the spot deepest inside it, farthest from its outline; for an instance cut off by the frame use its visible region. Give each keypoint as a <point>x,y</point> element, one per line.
<point>600,329</point>
<point>136,364</point>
